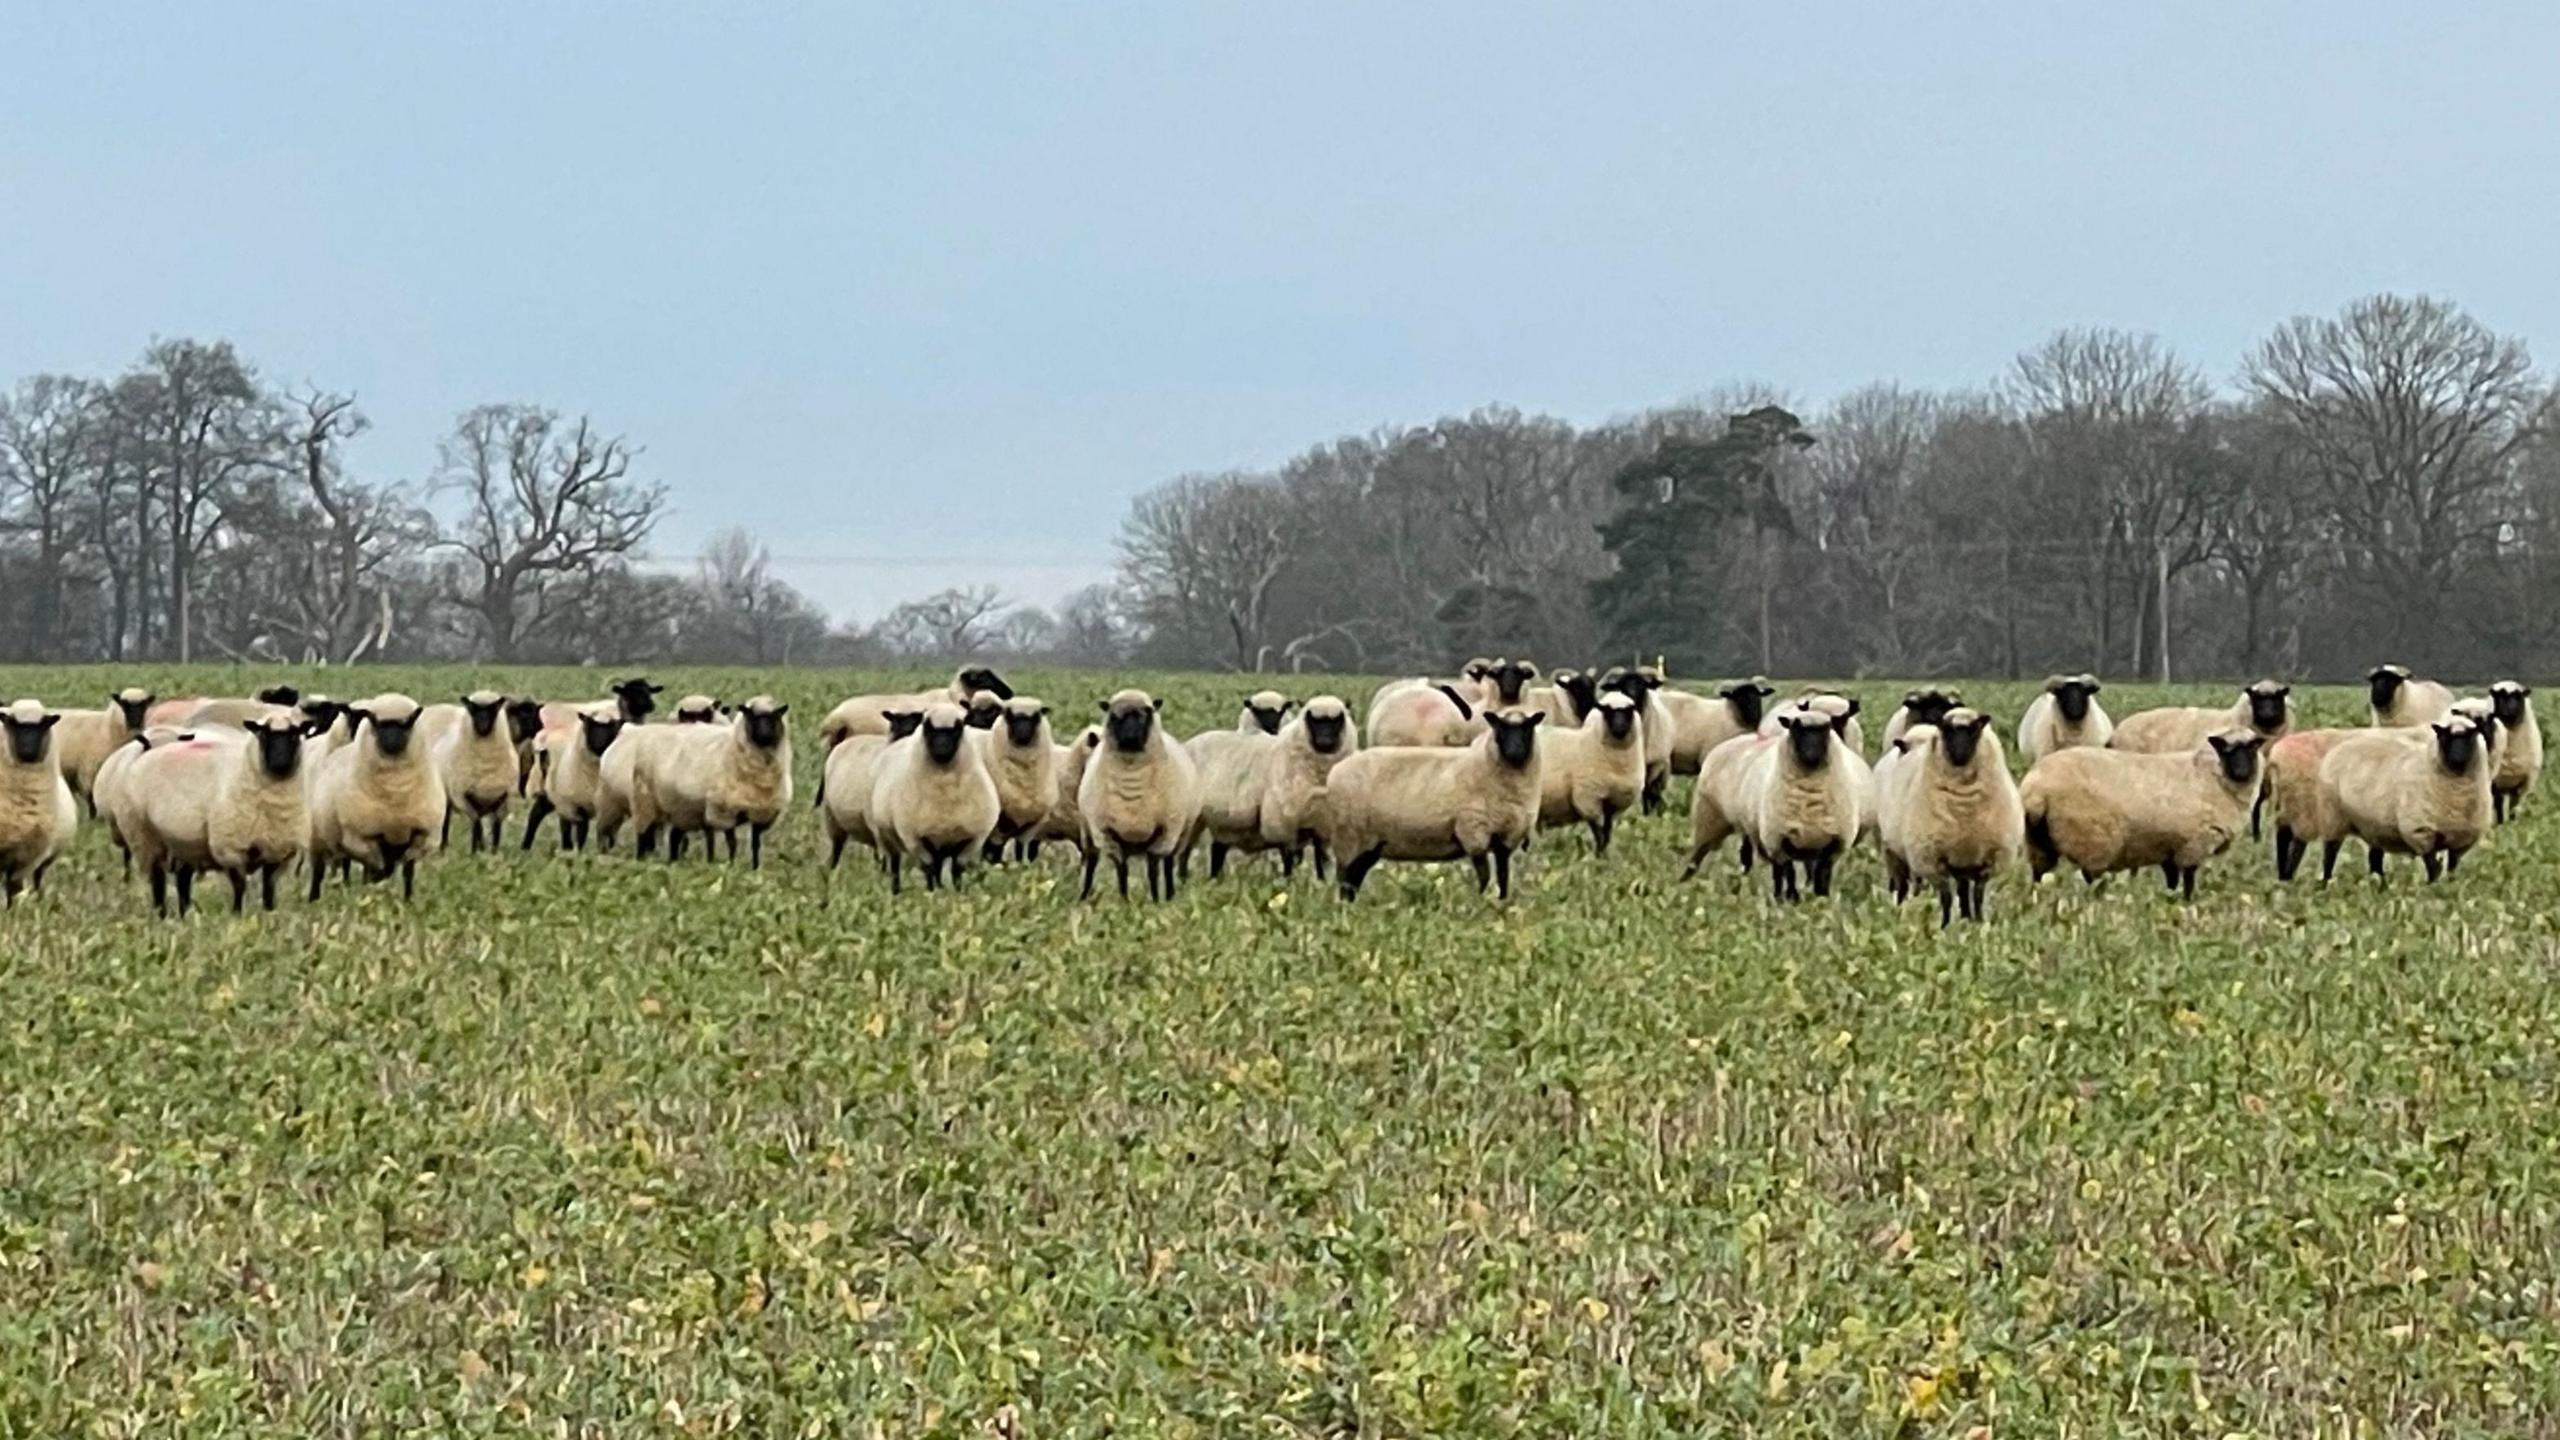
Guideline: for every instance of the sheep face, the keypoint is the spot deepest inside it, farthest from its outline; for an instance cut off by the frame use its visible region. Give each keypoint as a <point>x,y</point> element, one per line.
<point>2507,699</point>
<point>1618,717</point>
<point>636,696</point>
<point>1960,735</point>
<point>134,703</point>
<point>985,710</point>
<point>1928,707</point>
<point>761,719</point>
<point>2458,742</point>
<point>1515,737</point>
<point>279,740</point>
<point>394,724</point>
<point>1325,721</point>
<point>2267,704</point>
<point>1809,736</point>
<point>697,710</point>
<point>598,731</point>
<point>945,727</point>
<point>1509,678</point>
<point>902,723</point>
<point>319,714</point>
<point>2237,752</point>
<point>1635,684</point>
<point>2071,695</point>
<point>524,720</point>
<point>482,708</point>
<point>30,728</point>
<point>1475,670</point>
<point>279,695</point>
<point>1022,721</point>
<point>2385,682</point>
<point>1747,700</point>
<point>1269,708</point>
<point>1129,718</point>
<point>979,677</point>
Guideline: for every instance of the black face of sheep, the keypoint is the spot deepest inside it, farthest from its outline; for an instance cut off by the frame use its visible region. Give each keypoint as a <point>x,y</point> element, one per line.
<point>985,710</point>
<point>1515,737</point>
<point>2266,705</point>
<point>483,714</point>
<point>1928,707</point>
<point>2385,682</point>
<point>979,677</point>
<point>2239,756</point>
<point>1635,684</point>
<point>391,737</point>
<point>1129,725</point>
<point>1266,715</point>
<point>134,706</point>
<point>27,738</point>
<point>1618,720</point>
<point>599,732</point>
<point>524,719</point>
<point>1747,699</point>
<point>636,696</point>
<point>279,695</point>
<point>319,714</point>
<point>1022,727</point>
<point>2506,701</point>
<point>2457,740</point>
<point>942,742</point>
<point>1809,735</point>
<point>764,724</point>
<point>1476,670</point>
<point>1324,730</point>
<point>903,723</point>
<point>279,740</point>
<point>2071,697</point>
<point>1510,677</point>
<point>1960,735</point>
<point>699,712</point>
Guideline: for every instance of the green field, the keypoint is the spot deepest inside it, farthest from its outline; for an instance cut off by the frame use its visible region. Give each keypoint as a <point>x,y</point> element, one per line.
<point>591,1146</point>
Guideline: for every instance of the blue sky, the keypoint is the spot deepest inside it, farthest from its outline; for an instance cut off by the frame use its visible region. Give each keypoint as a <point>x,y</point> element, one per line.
<point>923,294</point>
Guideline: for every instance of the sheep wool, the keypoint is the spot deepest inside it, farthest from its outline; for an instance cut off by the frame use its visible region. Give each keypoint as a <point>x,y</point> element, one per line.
<point>1808,801</point>
<point>107,792</point>
<point>2107,810</point>
<point>1232,770</point>
<point>2401,701</point>
<point>1316,740</point>
<point>1263,713</point>
<point>1140,795</point>
<point>475,758</point>
<point>378,802</point>
<point>1700,723</point>
<point>869,714</point>
<point>844,785</point>
<point>697,710</point>
<point>1721,805</point>
<point>1643,685</point>
<point>1478,803</point>
<point>2293,793</point>
<point>933,800</point>
<point>1023,757</point>
<point>717,780</point>
<point>1920,707</point>
<point>1594,773</point>
<point>38,817</point>
<point>1958,820</point>
<point>2065,715</point>
<point>572,774</point>
<point>2520,767</point>
<point>2422,792</point>
<point>83,739</point>
<point>220,800</point>
<point>1421,712</point>
<point>634,700</point>
<point>2265,707</point>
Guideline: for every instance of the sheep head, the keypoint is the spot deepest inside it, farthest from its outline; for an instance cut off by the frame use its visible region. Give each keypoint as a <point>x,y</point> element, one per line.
<point>30,728</point>
<point>1515,736</point>
<point>2236,751</point>
<point>1129,717</point>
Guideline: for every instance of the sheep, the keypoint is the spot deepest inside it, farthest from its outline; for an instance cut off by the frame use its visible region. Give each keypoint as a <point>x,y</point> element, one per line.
<point>572,774</point>
<point>697,710</point>
<point>2293,792</point>
<point>1421,712</point>
<point>84,739</point>
<point>1140,795</point>
<point>2482,712</point>
<point>1231,772</point>
<point>1566,699</point>
<point>1263,713</point>
<point>1478,803</point>
<point>2265,707</point>
<point>634,700</point>
<point>1023,757</point>
<point>1721,804</point>
<point>1506,684</point>
<point>985,710</point>
<point>1955,816</point>
<point>1921,707</point>
<point>476,760</point>
<point>2521,766</point>
<point>1642,684</point>
<point>1839,707</point>
<point>1291,819</point>
<point>524,726</point>
<point>2066,714</point>
<point>1594,773</point>
<point>868,714</point>
<point>716,779</point>
<point>844,785</point>
<point>2400,702</point>
<point>106,792</point>
<point>378,801</point>
<point>2421,792</point>
<point>2109,810</point>
<point>1807,805</point>
<point>38,817</point>
<point>932,799</point>
<point>1699,723</point>
<point>219,800</point>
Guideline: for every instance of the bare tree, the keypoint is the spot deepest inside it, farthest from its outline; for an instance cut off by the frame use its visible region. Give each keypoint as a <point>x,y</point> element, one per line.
<point>200,427</point>
<point>748,614</point>
<point>541,501</point>
<point>338,539</point>
<point>49,459</point>
<point>953,624</point>
<point>1203,552</point>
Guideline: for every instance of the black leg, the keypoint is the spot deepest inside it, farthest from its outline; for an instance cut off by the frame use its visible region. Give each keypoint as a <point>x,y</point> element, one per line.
<point>2433,866</point>
<point>444,835</point>
<point>1746,854</point>
<point>932,871</point>
<point>2257,808</point>
<point>897,872</point>
<point>1172,881</point>
<point>2329,859</point>
<point>498,831</point>
<point>159,889</point>
<point>1121,863</point>
<point>186,889</point>
<point>755,847</point>
<point>1091,860</point>
<point>533,818</point>
<point>267,886</point>
<point>2452,861</point>
<point>1484,871</point>
<point>1601,830</point>
<point>955,867</point>
<point>2373,860</point>
<point>1321,859</point>
<point>835,851</point>
<point>1289,862</point>
<point>239,890</point>
<point>319,872</point>
<point>2187,882</point>
<point>1217,858</point>
<point>1821,868</point>
<point>1356,869</point>
<point>1502,870</point>
<point>2169,873</point>
<point>408,879</point>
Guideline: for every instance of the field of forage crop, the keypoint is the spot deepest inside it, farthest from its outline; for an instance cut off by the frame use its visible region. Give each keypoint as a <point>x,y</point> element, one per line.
<point>586,1146</point>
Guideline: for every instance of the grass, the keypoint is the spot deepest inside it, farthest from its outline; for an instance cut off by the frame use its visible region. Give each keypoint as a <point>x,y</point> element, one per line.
<point>584,1146</point>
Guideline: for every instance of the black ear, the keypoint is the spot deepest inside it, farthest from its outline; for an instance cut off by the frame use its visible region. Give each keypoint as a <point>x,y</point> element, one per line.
<point>1852,711</point>
<point>1156,704</point>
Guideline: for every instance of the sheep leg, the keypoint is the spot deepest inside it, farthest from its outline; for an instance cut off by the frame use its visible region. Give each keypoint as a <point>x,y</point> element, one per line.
<point>267,887</point>
<point>2169,873</point>
<point>1601,830</point>
<point>498,830</point>
<point>897,872</point>
<point>1153,891</point>
<point>239,890</point>
<point>1121,863</point>
<point>1288,863</point>
<point>2257,807</point>
<point>319,871</point>
<point>1172,882</point>
<point>675,846</point>
<point>1746,854</point>
<point>1821,868</point>
<point>1780,873</point>
<point>733,844</point>
<point>408,879</point>
<point>1091,861</point>
<point>533,820</point>
<point>186,889</point>
<point>2187,883</point>
<point>1217,858</point>
<point>755,846</point>
<point>2373,860</point>
<point>1484,871</point>
<point>1502,870</point>
<point>1947,902</point>
<point>159,888</point>
<point>1321,857</point>
<point>932,871</point>
<point>956,865</point>
<point>2452,861</point>
<point>1356,869</point>
<point>2434,866</point>
<point>444,836</point>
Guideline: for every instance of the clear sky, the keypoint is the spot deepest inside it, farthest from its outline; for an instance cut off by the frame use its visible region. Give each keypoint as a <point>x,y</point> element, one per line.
<point>924,293</point>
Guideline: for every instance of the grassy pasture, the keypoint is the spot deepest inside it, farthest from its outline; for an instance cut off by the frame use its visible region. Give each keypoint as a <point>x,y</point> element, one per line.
<point>587,1146</point>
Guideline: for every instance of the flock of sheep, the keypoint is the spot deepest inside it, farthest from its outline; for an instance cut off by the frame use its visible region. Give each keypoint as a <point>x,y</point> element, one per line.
<point>1467,768</point>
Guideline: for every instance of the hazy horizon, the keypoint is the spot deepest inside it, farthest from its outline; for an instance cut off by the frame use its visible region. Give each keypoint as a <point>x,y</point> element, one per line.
<point>924,297</point>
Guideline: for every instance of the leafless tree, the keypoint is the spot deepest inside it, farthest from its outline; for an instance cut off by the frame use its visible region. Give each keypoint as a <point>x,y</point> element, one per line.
<point>950,624</point>
<point>541,500</point>
<point>49,460</point>
<point>1205,551</point>
<point>200,427</point>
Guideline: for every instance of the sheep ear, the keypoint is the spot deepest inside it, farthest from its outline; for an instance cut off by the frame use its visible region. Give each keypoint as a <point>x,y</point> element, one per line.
<point>1852,712</point>
<point>1157,704</point>
<point>781,710</point>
